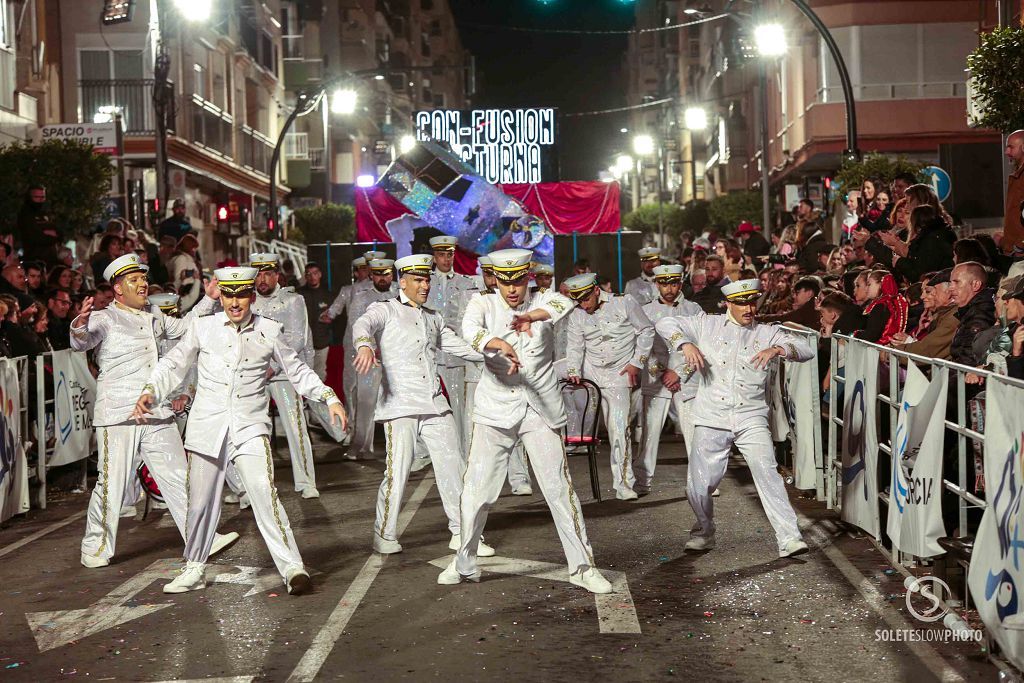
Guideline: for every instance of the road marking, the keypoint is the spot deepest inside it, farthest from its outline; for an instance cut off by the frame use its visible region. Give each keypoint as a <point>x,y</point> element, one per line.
<point>874,599</point>
<point>60,627</point>
<point>223,679</point>
<point>616,612</point>
<point>314,658</point>
<point>42,532</point>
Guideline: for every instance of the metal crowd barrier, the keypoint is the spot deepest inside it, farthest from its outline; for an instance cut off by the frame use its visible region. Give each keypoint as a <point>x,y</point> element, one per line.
<point>966,437</point>
<point>44,422</point>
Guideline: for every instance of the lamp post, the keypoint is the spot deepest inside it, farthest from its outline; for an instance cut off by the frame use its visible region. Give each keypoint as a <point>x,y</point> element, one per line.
<point>771,43</point>
<point>643,146</point>
<point>694,119</point>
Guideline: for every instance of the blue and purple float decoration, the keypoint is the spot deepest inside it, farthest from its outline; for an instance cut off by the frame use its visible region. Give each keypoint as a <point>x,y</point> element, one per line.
<point>447,194</point>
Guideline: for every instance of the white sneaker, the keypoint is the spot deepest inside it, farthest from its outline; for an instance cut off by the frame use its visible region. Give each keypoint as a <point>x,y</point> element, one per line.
<point>522,490</point>
<point>716,493</point>
<point>231,498</point>
<point>628,494</point>
<point>221,541</point>
<point>700,543</point>
<point>451,576</point>
<point>192,577</point>
<point>93,562</point>
<point>793,548</point>
<point>127,511</point>
<point>420,464</point>
<point>482,549</point>
<point>386,547</point>
<point>157,505</point>
<point>349,455</point>
<point>310,492</point>
<point>592,580</point>
<point>297,580</point>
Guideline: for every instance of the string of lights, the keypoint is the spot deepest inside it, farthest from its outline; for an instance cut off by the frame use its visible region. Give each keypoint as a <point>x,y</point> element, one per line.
<point>590,32</point>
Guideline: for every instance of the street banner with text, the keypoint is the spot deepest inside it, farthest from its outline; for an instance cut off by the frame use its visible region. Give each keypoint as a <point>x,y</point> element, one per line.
<point>74,392</point>
<point>13,464</point>
<point>860,439</point>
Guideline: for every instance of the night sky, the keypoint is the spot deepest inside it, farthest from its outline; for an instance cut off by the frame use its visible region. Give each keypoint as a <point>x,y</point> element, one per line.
<point>573,73</point>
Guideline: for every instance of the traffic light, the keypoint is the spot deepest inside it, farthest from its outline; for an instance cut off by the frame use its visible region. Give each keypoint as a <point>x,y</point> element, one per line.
<point>117,11</point>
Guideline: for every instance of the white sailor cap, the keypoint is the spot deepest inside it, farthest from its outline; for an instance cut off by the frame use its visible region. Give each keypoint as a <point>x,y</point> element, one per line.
<point>743,291</point>
<point>668,273</point>
<point>445,242</point>
<point>510,264</point>
<point>264,261</point>
<point>235,279</point>
<point>381,265</point>
<point>359,262</point>
<point>543,269</point>
<point>417,264</point>
<point>485,263</point>
<point>370,255</point>
<point>165,302</point>
<point>122,265</point>
<point>580,285</point>
<point>648,253</point>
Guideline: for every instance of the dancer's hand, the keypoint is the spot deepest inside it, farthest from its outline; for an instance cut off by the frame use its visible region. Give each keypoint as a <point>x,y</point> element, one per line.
<point>694,358</point>
<point>212,288</point>
<point>143,407</point>
<point>765,357</point>
<point>85,312</point>
<point>179,404</point>
<point>633,372</point>
<point>670,380</point>
<point>337,410</point>
<point>365,360</point>
<point>506,350</point>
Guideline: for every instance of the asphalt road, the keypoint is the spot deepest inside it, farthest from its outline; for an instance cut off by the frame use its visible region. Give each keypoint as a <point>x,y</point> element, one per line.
<point>735,613</point>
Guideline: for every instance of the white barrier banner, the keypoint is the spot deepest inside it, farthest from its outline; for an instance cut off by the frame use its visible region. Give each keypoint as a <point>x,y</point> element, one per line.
<point>803,397</point>
<point>860,439</point>
<point>13,463</point>
<point>74,392</point>
<point>996,574</point>
<point>915,494</point>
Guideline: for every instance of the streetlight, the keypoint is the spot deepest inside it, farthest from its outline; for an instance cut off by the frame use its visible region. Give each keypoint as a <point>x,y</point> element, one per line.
<point>623,164</point>
<point>406,144</point>
<point>643,145</point>
<point>194,10</point>
<point>695,118</point>
<point>343,101</point>
<point>770,40</point>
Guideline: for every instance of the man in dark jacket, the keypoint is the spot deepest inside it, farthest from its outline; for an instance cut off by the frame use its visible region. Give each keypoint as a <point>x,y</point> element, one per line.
<point>809,254</point>
<point>177,224</point>
<point>805,293</point>
<point>754,243</point>
<point>37,231</point>
<point>976,310</point>
<point>318,299</point>
<point>58,301</point>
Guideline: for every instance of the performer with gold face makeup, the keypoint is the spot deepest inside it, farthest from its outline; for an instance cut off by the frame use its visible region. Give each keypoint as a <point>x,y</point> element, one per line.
<point>127,336</point>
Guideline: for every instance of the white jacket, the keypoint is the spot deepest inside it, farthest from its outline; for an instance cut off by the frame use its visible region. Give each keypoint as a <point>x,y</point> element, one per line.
<point>600,344</point>
<point>449,295</point>
<point>661,358</point>
<point>408,339</point>
<point>283,305</point>
<point>128,346</point>
<point>501,399</point>
<point>731,393</point>
<point>643,289</point>
<point>361,299</point>
<point>231,398</point>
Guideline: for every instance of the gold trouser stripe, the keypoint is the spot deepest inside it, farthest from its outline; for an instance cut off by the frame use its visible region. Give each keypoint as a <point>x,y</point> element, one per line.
<point>273,491</point>
<point>188,492</point>
<point>301,434</point>
<point>389,476</point>
<point>572,506</point>
<point>106,487</point>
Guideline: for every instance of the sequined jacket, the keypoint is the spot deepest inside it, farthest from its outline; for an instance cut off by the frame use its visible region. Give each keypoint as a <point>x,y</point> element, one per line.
<point>127,344</point>
<point>600,344</point>
<point>283,305</point>
<point>449,295</point>
<point>231,400</point>
<point>731,392</point>
<point>661,358</point>
<point>408,339</point>
<point>643,289</point>
<point>501,399</point>
<point>362,297</point>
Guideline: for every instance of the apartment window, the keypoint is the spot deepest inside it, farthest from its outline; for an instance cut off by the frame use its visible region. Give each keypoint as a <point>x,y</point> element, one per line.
<point>425,44</point>
<point>115,78</point>
<point>199,84</point>
<point>8,72</point>
<point>694,48</point>
<point>435,27</point>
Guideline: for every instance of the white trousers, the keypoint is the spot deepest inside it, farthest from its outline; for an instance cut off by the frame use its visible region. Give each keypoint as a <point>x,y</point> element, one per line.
<point>349,378</point>
<point>708,460</point>
<point>518,470</point>
<point>485,474</point>
<point>454,380</point>
<point>205,484</point>
<point>366,390</point>
<point>320,362</point>
<point>655,410</point>
<point>293,419</point>
<point>440,435</point>
<point>120,449</point>
<point>616,408</point>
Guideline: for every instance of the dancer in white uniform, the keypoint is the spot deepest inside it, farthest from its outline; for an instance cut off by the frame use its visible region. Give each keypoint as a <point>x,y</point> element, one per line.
<point>283,305</point>
<point>665,379</point>
<point>642,287</point>
<point>407,336</point>
<point>518,400</point>
<point>609,340</point>
<point>732,353</point>
<point>360,281</point>
<point>127,336</point>
<point>230,422</point>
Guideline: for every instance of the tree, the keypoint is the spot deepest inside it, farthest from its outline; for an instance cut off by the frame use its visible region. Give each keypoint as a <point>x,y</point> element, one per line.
<point>874,165</point>
<point>645,219</point>
<point>76,180</point>
<point>324,223</point>
<point>997,78</point>
<point>695,217</point>
<point>727,211</point>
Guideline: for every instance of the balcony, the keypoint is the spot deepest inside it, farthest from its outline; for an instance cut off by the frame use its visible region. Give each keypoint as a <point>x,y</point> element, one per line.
<point>211,128</point>
<point>132,98</point>
<point>256,150</point>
